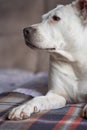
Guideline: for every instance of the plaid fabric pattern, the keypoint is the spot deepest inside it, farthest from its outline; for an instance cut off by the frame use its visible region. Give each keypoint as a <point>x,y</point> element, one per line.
<point>67,118</point>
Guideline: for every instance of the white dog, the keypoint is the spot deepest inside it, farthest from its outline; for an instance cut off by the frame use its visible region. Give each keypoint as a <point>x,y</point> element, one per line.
<point>63,33</point>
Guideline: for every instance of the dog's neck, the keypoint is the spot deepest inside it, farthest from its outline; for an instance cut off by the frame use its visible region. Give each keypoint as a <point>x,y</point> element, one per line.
<point>63,66</point>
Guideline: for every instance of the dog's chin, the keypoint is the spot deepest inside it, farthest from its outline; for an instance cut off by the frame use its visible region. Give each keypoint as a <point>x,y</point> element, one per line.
<point>29,44</point>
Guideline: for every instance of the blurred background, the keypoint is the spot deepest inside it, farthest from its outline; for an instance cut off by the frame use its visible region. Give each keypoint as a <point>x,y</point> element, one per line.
<point>14,16</point>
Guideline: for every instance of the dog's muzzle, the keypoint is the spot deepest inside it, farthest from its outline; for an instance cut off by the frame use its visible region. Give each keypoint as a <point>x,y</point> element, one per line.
<point>28,35</point>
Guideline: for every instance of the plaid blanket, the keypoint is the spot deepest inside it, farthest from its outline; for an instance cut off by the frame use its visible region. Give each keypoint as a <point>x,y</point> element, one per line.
<point>67,118</point>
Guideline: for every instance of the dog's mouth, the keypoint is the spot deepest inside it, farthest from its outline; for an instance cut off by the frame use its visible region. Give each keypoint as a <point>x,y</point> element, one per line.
<point>28,43</point>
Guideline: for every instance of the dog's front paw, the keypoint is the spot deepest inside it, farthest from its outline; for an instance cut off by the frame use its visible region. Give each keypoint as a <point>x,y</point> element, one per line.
<point>84,112</point>
<point>23,111</point>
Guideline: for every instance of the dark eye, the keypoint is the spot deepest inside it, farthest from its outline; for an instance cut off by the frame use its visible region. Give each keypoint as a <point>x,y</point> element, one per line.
<point>56,18</point>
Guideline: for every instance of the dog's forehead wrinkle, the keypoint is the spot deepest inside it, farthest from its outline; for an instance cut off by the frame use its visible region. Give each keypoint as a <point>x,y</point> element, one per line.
<point>52,12</point>
<point>59,6</point>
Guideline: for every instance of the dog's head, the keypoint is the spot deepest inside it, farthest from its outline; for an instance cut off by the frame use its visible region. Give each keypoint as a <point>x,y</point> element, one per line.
<point>60,29</point>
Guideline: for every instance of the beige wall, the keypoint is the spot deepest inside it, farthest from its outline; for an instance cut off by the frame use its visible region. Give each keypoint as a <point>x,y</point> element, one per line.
<point>14,16</point>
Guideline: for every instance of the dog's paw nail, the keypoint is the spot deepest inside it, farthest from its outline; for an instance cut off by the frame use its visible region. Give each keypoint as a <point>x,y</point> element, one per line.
<point>35,109</point>
<point>22,115</point>
<point>9,117</point>
<point>12,117</point>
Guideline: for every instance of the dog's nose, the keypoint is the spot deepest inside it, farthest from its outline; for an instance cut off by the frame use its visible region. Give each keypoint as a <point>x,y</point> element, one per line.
<point>28,31</point>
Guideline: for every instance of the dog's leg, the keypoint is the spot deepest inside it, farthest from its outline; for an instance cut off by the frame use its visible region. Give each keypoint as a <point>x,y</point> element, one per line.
<point>84,112</point>
<point>50,101</point>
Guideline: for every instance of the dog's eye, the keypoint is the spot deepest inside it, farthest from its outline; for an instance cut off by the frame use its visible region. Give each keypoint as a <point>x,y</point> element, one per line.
<point>56,18</point>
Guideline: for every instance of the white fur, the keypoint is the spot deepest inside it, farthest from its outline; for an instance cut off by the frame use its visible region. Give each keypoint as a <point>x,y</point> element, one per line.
<point>68,61</point>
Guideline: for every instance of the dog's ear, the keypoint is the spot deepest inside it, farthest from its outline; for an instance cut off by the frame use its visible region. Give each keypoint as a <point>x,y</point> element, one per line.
<point>82,4</point>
